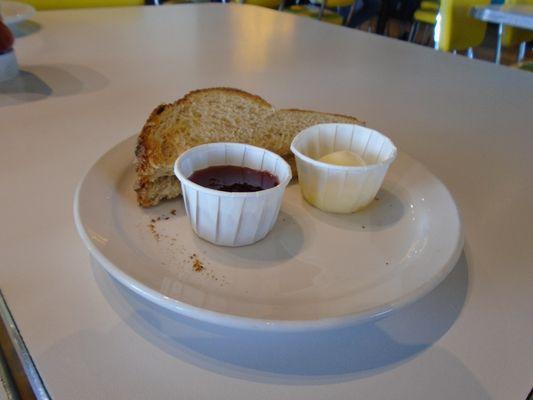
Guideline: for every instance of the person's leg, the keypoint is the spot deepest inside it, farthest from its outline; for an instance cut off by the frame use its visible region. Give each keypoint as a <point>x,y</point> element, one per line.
<point>345,11</point>
<point>370,9</point>
<point>405,15</point>
<point>385,13</point>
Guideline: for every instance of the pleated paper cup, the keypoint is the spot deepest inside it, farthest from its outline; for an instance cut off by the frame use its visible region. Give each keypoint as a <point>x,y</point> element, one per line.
<point>231,218</point>
<point>341,189</point>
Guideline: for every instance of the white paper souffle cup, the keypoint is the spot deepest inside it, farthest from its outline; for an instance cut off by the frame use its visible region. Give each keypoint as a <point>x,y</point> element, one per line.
<point>231,218</point>
<point>341,189</point>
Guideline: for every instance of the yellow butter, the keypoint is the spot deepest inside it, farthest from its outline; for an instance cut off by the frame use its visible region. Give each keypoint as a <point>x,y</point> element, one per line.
<point>344,158</point>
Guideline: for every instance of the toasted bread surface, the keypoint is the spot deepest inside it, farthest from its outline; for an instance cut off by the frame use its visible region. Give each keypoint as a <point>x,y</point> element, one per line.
<point>212,115</point>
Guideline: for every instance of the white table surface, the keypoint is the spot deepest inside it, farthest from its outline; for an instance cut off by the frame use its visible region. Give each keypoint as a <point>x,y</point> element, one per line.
<point>96,75</point>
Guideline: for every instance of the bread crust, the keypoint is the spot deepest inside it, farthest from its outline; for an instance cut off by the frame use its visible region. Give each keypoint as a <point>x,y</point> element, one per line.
<point>355,120</point>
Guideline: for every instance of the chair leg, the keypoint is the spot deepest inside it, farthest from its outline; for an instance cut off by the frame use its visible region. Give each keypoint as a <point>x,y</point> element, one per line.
<point>425,34</point>
<point>322,8</point>
<point>431,37</point>
<point>281,5</point>
<point>413,31</point>
<point>470,52</point>
<point>521,51</point>
<point>436,32</point>
<point>351,13</point>
<point>498,56</point>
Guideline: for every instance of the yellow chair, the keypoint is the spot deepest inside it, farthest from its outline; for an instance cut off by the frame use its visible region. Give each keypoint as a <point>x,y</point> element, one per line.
<point>511,37</point>
<point>455,29</point>
<point>332,3</point>
<point>314,12</point>
<point>429,5</point>
<point>262,3</point>
<point>426,16</point>
<point>318,9</point>
<point>336,4</point>
<point>56,4</point>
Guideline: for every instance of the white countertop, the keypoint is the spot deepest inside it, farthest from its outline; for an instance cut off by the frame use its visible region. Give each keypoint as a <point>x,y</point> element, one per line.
<point>97,74</point>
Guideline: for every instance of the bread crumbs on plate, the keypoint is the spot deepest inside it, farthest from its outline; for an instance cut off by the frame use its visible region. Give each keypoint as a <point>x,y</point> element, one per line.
<point>152,228</point>
<point>197,265</point>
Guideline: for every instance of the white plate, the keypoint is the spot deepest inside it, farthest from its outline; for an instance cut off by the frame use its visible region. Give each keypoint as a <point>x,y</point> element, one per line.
<point>13,11</point>
<point>314,270</point>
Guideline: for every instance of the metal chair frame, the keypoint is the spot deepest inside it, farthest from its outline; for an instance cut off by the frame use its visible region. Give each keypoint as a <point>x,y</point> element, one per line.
<point>322,9</point>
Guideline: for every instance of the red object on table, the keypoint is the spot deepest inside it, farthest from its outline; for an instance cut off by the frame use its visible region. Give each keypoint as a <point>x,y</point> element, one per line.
<point>6,38</point>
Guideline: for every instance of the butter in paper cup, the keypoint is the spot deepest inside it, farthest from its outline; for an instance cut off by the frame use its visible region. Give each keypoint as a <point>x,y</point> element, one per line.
<point>341,189</point>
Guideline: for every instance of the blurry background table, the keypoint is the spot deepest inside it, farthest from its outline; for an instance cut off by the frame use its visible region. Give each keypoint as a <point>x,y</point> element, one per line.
<point>90,79</point>
<point>520,16</point>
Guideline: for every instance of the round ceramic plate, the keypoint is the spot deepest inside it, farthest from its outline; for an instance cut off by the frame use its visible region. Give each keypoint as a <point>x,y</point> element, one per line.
<point>13,11</point>
<point>314,270</point>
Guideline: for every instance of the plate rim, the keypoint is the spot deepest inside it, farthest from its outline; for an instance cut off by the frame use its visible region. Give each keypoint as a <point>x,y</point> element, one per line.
<point>236,321</point>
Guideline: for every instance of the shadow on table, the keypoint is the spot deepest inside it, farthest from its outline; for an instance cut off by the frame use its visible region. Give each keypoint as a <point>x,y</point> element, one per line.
<point>24,28</point>
<point>38,82</point>
<point>295,358</point>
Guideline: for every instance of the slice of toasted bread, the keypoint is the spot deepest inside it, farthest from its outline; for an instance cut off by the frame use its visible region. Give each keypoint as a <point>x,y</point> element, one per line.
<point>213,115</point>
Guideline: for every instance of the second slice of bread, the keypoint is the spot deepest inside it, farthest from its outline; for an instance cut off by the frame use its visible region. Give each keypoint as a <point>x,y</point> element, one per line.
<point>213,115</point>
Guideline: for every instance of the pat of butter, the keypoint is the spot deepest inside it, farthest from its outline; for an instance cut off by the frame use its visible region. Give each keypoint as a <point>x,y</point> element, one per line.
<point>344,158</point>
